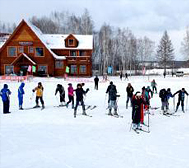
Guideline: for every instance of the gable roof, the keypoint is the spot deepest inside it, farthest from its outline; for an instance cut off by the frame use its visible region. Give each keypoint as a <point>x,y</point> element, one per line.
<point>23,55</point>
<point>37,32</point>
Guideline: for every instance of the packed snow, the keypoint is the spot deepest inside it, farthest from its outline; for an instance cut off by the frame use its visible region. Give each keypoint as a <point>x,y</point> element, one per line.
<point>53,138</point>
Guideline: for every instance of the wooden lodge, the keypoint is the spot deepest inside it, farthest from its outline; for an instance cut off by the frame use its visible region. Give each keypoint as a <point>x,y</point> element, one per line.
<point>29,51</point>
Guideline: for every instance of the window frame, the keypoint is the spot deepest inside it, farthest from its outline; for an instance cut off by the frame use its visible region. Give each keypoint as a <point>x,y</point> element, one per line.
<point>19,49</point>
<point>38,55</point>
<point>5,65</point>
<point>81,71</point>
<point>29,49</point>
<point>59,64</point>
<point>69,42</point>
<point>74,68</point>
<point>75,53</point>
<point>42,65</point>
<point>15,51</point>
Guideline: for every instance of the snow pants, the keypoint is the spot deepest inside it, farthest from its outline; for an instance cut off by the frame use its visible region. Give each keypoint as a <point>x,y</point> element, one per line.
<point>128,98</point>
<point>20,100</point>
<point>71,99</point>
<point>6,106</point>
<point>37,100</point>
<point>77,104</point>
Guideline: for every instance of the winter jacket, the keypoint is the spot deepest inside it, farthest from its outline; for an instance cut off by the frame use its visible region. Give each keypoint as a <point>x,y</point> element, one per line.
<point>96,79</point>
<point>39,91</point>
<point>181,94</point>
<point>70,91</point>
<point>60,89</point>
<point>79,93</point>
<point>21,90</point>
<point>112,92</point>
<point>136,109</point>
<point>163,95</point>
<point>129,91</point>
<point>5,92</point>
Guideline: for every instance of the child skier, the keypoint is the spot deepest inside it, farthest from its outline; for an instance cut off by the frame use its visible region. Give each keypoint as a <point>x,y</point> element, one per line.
<point>181,95</point>
<point>164,100</point>
<point>61,90</point>
<point>70,95</point>
<point>147,96</point>
<point>5,94</point>
<point>137,103</point>
<point>112,98</point>
<point>96,80</point>
<point>153,85</point>
<point>39,95</point>
<point>79,98</point>
<point>20,95</point>
<point>169,94</point>
<point>129,90</point>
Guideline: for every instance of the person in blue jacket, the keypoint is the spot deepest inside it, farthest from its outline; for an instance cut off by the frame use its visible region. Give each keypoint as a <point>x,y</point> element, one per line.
<point>20,95</point>
<point>5,93</point>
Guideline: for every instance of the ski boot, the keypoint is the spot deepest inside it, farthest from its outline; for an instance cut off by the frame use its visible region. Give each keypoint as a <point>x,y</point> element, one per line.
<point>110,112</point>
<point>20,107</point>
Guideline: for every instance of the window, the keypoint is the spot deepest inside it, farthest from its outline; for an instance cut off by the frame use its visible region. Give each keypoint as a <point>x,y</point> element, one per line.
<point>81,53</point>
<point>59,64</point>
<point>20,49</point>
<point>73,69</point>
<point>9,69</point>
<point>70,42</point>
<point>42,68</point>
<point>83,69</point>
<point>30,50</point>
<point>39,51</point>
<point>12,51</point>
<point>72,53</point>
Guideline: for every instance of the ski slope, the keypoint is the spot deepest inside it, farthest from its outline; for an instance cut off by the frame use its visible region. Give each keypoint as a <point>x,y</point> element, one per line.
<point>53,138</point>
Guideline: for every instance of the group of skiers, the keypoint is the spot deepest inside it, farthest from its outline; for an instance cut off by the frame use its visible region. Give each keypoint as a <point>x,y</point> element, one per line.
<point>140,101</point>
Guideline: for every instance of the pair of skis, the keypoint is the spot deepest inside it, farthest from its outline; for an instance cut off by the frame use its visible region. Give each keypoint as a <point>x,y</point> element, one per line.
<point>138,130</point>
<point>116,116</point>
<point>29,108</point>
<point>90,107</point>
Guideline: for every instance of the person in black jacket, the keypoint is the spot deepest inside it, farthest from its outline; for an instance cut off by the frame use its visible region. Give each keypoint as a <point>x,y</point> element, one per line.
<point>96,80</point>
<point>181,95</point>
<point>129,90</point>
<point>112,103</point>
<point>79,98</point>
<point>164,100</point>
<point>61,90</point>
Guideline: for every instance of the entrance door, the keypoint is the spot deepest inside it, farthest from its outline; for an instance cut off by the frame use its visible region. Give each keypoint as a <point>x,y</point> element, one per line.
<point>23,70</point>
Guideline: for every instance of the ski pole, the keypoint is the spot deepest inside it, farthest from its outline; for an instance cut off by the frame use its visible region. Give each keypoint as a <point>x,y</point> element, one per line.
<point>186,103</point>
<point>148,121</point>
<point>105,99</point>
<point>57,99</point>
<point>32,96</point>
<point>174,103</point>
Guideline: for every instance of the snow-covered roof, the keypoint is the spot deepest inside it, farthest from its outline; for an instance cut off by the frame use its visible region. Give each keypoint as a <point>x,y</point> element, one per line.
<point>57,41</point>
<point>43,39</point>
<point>3,39</point>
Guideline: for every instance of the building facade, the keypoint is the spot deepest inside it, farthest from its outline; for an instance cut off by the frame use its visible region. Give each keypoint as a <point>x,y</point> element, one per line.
<point>28,50</point>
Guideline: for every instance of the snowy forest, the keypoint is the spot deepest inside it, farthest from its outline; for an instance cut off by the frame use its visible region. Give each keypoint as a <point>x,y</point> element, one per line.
<point>113,46</point>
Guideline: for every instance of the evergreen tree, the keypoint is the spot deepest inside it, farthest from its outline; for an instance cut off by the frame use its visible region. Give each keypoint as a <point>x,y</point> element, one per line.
<point>165,51</point>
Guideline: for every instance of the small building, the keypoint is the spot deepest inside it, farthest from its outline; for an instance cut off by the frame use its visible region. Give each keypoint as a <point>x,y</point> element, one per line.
<point>27,49</point>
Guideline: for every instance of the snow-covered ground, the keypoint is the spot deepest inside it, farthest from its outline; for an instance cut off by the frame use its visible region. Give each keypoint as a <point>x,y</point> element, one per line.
<point>53,138</point>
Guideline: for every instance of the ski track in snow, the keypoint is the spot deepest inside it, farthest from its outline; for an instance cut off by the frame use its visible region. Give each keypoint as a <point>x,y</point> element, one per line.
<point>53,138</point>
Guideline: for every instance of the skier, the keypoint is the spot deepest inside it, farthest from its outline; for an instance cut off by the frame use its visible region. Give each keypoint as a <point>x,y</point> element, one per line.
<point>148,94</point>
<point>96,80</point>
<point>79,98</point>
<point>129,90</point>
<point>60,89</point>
<point>181,95</point>
<point>39,95</point>
<point>112,91</point>
<point>121,75</point>
<point>169,94</point>
<point>70,95</point>
<point>137,102</point>
<point>164,100</point>
<point>126,76</point>
<point>20,95</point>
<point>5,95</point>
<point>153,85</point>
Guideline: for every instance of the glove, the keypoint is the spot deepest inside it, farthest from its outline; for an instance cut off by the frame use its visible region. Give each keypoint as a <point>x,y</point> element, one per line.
<point>87,89</point>
<point>33,90</point>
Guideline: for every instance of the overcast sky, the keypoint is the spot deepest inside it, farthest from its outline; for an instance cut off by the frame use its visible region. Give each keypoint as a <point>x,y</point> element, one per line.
<point>143,17</point>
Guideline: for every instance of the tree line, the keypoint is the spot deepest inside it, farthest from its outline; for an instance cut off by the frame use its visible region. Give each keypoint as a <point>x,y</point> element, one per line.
<point>114,47</point>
